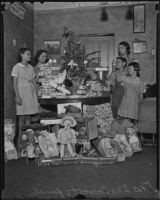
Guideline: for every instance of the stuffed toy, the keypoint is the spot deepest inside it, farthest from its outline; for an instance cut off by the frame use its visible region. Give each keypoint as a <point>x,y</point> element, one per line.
<point>30,145</point>
<point>133,139</point>
<point>48,144</point>
<point>10,150</point>
<point>122,139</point>
<point>67,136</point>
<point>108,150</point>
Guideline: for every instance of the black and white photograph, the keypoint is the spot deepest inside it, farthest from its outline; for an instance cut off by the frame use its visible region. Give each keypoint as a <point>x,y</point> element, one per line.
<point>79,99</point>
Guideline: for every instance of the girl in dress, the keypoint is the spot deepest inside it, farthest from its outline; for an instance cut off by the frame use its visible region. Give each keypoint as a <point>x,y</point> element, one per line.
<point>39,59</point>
<point>133,90</point>
<point>116,87</point>
<point>24,87</point>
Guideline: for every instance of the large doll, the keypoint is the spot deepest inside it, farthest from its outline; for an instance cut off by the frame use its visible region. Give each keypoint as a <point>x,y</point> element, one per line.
<point>67,136</point>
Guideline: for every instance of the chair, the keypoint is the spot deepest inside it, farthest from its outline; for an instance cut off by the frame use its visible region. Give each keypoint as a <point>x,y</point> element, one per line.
<point>147,118</point>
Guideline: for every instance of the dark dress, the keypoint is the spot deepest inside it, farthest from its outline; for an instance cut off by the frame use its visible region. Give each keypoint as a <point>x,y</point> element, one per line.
<point>117,95</point>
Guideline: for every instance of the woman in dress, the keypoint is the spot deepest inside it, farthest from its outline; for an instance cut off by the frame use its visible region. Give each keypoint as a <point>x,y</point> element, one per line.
<point>39,59</point>
<point>24,87</point>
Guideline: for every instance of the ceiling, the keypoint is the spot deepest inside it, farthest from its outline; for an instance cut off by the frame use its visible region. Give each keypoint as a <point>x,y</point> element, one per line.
<point>65,5</point>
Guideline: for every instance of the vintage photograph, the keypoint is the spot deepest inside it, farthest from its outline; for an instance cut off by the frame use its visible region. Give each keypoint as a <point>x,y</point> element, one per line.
<point>140,47</point>
<point>66,108</point>
<point>139,19</point>
<point>80,113</point>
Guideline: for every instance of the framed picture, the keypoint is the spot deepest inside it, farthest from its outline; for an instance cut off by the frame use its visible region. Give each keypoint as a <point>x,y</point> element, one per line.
<point>140,47</point>
<point>53,47</point>
<point>67,108</point>
<point>139,19</point>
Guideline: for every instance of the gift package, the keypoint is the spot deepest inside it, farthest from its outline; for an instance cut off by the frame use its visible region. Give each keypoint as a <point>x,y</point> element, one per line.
<point>9,134</point>
<point>46,73</point>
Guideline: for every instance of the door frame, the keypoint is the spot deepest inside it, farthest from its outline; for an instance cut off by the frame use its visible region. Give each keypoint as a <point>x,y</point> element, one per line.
<point>90,35</point>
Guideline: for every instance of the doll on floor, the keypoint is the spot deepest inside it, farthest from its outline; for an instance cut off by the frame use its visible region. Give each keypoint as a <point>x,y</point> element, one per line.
<point>133,139</point>
<point>67,136</point>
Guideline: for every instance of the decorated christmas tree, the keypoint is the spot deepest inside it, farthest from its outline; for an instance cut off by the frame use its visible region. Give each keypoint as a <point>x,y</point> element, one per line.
<point>74,55</point>
<point>76,61</point>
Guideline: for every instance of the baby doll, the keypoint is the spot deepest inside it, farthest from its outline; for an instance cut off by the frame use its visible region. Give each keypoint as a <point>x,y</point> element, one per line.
<point>67,135</point>
<point>133,139</point>
<point>30,147</point>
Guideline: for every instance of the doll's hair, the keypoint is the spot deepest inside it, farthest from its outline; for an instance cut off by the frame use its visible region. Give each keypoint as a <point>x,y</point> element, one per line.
<point>123,60</point>
<point>39,52</point>
<point>136,67</point>
<point>125,44</point>
<point>21,51</point>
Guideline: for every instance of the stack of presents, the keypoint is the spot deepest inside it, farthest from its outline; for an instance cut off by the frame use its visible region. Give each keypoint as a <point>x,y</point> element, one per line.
<point>92,137</point>
<point>46,75</point>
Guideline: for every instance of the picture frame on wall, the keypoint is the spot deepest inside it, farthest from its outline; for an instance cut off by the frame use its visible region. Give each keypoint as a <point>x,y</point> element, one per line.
<point>140,47</point>
<point>53,47</point>
<point>139,20</point>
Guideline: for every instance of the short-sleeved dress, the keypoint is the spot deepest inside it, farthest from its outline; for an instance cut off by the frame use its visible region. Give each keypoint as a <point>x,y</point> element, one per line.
<point>66,136</point>
<point>26,88</point>
<point>132,96</point>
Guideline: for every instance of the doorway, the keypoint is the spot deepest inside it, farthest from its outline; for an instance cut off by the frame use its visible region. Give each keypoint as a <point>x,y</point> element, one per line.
<point>103,45</point>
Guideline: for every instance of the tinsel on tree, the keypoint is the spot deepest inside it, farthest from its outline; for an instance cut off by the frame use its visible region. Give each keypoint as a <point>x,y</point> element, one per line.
<point>75,52</point>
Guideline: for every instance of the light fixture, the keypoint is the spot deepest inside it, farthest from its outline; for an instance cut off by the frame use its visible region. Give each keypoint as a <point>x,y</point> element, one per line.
<point>130,14</point>
<point>104,15</point>
<point>2,7</point>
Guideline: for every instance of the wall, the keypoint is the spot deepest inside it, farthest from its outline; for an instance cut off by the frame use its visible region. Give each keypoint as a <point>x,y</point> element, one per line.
<point>23,33</point>
<point>49,25</point>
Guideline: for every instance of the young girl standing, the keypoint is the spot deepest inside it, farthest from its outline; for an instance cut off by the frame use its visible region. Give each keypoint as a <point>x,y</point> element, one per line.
<point>24,87</point>
<point>39,59</point>
<point>133,90</point>
<point>116,87</point>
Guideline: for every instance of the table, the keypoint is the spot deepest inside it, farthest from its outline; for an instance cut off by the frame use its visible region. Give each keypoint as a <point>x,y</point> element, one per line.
<point>51,103</point>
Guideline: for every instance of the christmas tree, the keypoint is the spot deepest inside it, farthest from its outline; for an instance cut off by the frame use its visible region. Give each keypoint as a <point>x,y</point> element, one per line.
<point>74,55</point>
<point>76,61</point>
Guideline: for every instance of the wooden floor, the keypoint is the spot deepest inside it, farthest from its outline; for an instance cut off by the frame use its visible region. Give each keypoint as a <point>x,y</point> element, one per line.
<point>134,178</point>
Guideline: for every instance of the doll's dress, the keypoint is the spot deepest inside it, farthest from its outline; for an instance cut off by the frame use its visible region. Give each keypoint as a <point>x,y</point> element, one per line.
<point>117,95</point>
<point>66,136</point>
